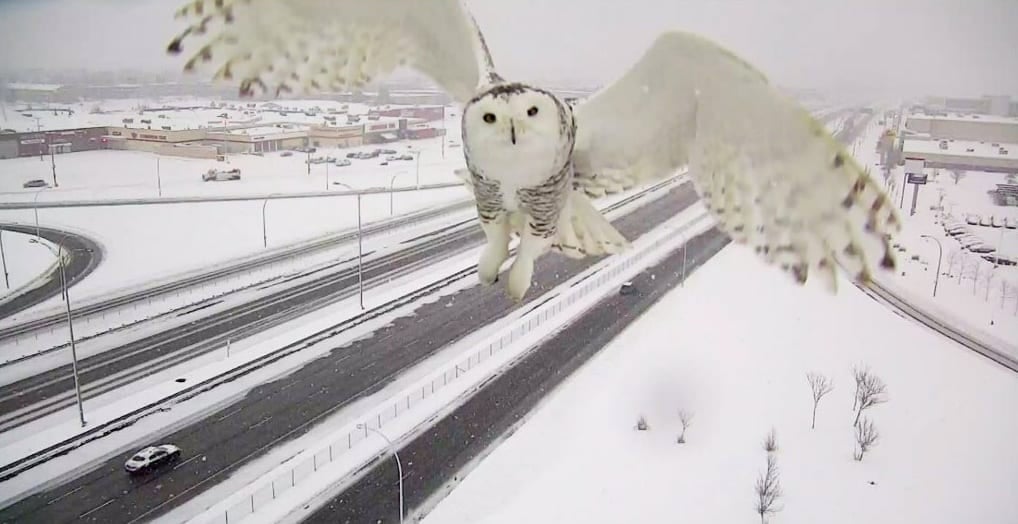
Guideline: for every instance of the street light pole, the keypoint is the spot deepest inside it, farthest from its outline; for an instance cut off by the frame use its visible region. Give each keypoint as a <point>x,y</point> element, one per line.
<point>399,465</point>
<point>360,254</point>
<point>53,165</point>
<point>391,182</point>
<point>159,178</point>
<point>35,206</point>
<point>360,247</point>
<point>418,175</point>
<point>940,256</point>
<point>3,257</point>
<point>70,326</point>
<point>265,236</point>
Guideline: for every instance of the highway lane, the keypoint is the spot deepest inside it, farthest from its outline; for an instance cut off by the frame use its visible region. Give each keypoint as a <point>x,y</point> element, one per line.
<point>242,266</point>
<point>85,256</point>
<point>44,393</point>
<point>433,461</point>
<point>39,395</point>
<point>278,411</point>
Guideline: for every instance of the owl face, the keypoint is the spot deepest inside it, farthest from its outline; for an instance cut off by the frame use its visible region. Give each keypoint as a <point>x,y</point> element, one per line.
<point>514,118</point>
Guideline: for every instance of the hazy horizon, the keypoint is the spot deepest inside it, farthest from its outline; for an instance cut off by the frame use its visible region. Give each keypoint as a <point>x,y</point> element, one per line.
<point>911,47</point>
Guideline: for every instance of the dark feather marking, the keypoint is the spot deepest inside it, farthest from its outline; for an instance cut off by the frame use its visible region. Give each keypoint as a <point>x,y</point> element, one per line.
<point>839,160</point>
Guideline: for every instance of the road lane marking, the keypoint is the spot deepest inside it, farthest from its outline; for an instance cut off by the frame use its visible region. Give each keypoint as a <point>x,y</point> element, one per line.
<point>186,461</point>
<point>97,508</point>
<point>73,491</point>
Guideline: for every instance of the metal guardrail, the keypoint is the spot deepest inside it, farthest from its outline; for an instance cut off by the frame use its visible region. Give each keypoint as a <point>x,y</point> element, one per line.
<point>243,265</point>
<point>598,282</point>
<point>22,464</point>
<point>998,355</point>
<point>224,198</point>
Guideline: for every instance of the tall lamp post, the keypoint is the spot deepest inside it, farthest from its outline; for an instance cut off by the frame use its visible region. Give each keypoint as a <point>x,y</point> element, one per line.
<point>417,176</point>
<point>35,206</point>
<point>265,235</point>
<point>392,181</point>
<point>3,257</point>
<point>399,465</point>
<point>59,253</point>
<point>360,246</point>
<point>940,256</point>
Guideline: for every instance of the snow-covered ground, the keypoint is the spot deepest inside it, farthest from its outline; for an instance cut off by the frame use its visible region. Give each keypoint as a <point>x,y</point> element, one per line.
<point>733,347</point>
<point>24,261</point>
<point>985,299</point>
<point>147,242</point>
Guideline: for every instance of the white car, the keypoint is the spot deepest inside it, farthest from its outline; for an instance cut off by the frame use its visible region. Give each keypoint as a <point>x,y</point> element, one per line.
<point>152,457</point>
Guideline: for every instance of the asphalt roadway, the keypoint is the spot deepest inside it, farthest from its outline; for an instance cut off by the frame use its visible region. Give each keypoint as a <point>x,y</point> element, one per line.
<point>275,412</point>
<point>432,461</point>
<point>53,389</point>
<point>86,254</point>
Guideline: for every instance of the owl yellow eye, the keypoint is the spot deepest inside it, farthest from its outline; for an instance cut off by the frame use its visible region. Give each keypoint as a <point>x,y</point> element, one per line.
<point>489,118</point>
<point>532,111</point>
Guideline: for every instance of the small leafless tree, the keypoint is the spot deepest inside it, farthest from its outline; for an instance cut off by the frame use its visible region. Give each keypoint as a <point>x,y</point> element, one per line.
<point>866,436</point>
<point>771,442</point>
<point>859,372</point>
<point>641,424</point>
<point>872,391</point>
<point>768,490</point>
<point>957,175</point>
<point>955,259</point>
<point>686,418</point>
<point>820,385</point>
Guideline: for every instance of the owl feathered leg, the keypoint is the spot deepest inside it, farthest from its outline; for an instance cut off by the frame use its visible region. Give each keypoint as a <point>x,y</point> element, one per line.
<point>532,246</point>
<point>496,251</point>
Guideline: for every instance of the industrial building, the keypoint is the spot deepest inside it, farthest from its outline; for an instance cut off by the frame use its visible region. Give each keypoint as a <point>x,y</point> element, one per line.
<point>967,142</point>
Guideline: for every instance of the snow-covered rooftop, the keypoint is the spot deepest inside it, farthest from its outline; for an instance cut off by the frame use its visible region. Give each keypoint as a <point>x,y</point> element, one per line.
<point>960,148</point>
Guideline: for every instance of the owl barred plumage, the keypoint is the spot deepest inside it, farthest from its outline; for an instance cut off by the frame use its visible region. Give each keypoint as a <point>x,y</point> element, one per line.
<point>772,176</point>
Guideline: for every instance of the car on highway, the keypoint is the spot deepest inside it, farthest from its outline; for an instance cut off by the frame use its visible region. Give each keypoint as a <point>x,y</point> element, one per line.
<point>151,458</point>
<point>627,289</point>
<point>35,183</point>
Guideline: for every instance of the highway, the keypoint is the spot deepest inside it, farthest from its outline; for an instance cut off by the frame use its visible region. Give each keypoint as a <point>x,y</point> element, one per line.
<point>39,395</point>
<point>222,271</point>
<point>432,460</point>
<point>277,411</point>
<point>85,256</point>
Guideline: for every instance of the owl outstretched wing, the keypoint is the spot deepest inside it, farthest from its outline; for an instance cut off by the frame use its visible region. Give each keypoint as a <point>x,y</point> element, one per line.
<point>772,176</point>
<point>293,47</point>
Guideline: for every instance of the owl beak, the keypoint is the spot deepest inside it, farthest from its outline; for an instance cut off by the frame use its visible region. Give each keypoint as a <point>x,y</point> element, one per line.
<point>512,131</point>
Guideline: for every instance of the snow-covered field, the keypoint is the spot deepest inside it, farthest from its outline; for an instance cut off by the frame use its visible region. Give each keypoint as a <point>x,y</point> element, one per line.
<point>24,260</point>
<point>733,347</point>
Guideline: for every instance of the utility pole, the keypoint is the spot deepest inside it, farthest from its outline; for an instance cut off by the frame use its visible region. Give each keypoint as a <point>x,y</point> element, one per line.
<point>53,165</point>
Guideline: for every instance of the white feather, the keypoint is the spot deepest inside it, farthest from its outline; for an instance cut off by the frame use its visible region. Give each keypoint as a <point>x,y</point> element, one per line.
<point>772,175</point>
<point>292,47</point>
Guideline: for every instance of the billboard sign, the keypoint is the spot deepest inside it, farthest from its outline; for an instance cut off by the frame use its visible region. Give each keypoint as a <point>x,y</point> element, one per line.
<point>914,165</point>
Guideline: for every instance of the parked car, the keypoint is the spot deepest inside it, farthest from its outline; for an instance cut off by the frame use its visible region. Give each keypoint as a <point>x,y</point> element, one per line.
<point>996,221</point>
<point>342,162</point>
<point>982,248</point>
<point>385,151</point>
<point>383,163</point>
<point>286,153</point>
<point>38,182</point>
<point>151,458</point>
<point>216,175</point>
<point>1011,223</point>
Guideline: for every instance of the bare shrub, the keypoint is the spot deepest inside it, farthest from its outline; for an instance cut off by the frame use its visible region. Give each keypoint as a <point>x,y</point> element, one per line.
<point>641,424</point>
<point>871,391</point>
<point>866,436</point>
<point>859,373</point>
<point>820,386</point>
<point>768,490</point>
<point>771,442</point>
<point>686,418</point>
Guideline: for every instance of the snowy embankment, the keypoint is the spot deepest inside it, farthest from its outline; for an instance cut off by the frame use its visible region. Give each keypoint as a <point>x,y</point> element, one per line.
<point>25,262</point>
<point>733,348</point>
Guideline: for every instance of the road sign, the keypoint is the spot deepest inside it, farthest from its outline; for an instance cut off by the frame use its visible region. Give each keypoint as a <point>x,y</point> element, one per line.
<point>916,179</point>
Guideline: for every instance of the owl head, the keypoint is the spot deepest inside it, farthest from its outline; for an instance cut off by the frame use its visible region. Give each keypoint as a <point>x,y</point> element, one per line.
<point>516,119</point>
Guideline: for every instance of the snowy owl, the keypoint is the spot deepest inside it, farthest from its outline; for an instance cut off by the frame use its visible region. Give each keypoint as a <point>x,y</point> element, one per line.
<point>771,175</point>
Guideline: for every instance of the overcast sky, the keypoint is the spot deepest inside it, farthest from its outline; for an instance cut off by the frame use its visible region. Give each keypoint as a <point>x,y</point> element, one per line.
<point>961,47</point>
